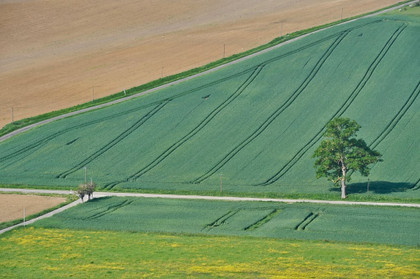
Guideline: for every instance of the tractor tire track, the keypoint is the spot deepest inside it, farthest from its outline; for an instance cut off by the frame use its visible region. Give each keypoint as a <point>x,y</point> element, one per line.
<point>400,114</point>
<point>306,221</point>
<point>276,113</point>
<point>45,140</point>
<point>195,130</point>
<point>266,62</point>
<point>362,83</point>
<point>109,209</point>
<point>115,141</point>
<point>34,146</point>
<point>38,143</point>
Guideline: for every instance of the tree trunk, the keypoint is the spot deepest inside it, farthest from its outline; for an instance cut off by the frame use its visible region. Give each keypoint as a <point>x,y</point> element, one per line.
<point>343,179</point>
<point>343,188</point>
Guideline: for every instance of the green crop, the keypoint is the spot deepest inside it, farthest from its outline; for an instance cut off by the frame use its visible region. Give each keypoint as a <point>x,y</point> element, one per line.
<point>360,224</point>
<point>250,127</point>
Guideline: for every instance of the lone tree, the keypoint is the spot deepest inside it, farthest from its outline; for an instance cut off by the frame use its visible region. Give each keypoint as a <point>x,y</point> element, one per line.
<point>86,189</point>
<point>340,153</point>
<point>81,191</point>
<point>90,188</point>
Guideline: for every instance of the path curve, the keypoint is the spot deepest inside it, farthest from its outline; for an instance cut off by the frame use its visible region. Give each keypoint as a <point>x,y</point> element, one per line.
<point>26,128</point>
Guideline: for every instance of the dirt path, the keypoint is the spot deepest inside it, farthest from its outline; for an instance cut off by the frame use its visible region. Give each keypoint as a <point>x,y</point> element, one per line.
<point>56,54</point>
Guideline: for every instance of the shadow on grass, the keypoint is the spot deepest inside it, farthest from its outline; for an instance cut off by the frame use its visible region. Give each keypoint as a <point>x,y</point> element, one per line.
<point>377,187</point>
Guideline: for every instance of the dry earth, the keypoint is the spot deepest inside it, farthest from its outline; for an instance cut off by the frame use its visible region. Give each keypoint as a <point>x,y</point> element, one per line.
<point>12,206</point>
<point>56,54</point>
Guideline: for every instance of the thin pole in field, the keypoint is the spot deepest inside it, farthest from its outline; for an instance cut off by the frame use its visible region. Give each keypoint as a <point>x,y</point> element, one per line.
<point>85,175</point>
<point>224,50</point>
<point>368,186</point>
<point>24,216</point>
<point>342,13</point>
<point>93,93</point>
<point>281,29</point>
<point>12,115</point>
<point>221,183</point>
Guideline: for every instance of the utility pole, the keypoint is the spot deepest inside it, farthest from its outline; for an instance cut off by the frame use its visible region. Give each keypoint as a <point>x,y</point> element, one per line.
<point>281,29</point>
<point>12,115</point>
<point>342,13</point>
<point>221,183</point>
<point>224,50</point>
<point>24,216</point>
<point>85,175</point>
<point>161,73</point>
<point>93,93</point>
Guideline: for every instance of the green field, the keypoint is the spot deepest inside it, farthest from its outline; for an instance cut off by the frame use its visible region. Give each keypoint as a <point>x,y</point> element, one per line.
<point>254,124</point>
<point>249,128</point>
<point>55,253</point>
<point>359,224</point>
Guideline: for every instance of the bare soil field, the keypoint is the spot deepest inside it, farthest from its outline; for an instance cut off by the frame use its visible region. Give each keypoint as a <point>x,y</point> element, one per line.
<point>12,206</point>
<point>56,54</point>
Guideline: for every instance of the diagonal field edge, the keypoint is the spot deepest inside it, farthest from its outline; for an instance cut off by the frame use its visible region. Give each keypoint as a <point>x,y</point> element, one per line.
<point>24,129</point>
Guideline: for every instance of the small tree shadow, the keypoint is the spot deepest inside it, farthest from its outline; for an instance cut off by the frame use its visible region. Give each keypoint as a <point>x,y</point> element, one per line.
<point>377,187</point>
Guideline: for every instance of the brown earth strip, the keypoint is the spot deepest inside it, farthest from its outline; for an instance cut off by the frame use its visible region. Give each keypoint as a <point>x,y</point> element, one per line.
<point>12,206</point>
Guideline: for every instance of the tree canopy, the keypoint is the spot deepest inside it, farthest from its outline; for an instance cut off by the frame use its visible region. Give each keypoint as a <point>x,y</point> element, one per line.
<point>340,153</point>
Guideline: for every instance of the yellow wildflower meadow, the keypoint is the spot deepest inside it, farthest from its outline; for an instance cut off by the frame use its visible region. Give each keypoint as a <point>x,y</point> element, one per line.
<point>51,253</point>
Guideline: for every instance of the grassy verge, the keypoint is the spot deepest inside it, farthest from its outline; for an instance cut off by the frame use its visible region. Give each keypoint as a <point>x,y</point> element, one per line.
<point>56,253</point>
<point>70,198</point>
<point>153,84</point>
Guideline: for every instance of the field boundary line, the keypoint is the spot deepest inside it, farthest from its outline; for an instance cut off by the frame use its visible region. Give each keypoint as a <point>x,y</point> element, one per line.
<point>26,128</point>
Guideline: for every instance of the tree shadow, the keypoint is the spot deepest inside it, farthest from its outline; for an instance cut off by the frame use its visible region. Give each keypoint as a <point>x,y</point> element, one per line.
<point>377,187</point>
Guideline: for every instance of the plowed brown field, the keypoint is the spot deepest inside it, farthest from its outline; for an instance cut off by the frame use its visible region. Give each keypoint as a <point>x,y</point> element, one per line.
<point>56,54</point>
<point>12,206</point>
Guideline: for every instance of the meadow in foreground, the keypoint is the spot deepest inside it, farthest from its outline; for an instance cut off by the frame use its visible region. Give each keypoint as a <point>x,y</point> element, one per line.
<point>57,253</point>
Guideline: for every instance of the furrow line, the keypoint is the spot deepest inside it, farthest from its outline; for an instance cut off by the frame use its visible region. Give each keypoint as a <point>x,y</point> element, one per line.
<point>400,114</point>
<point>362,83</point>
<point>199,127</point>
<point>275,114</point>
<point>110,209</point>
<point>114,141</point>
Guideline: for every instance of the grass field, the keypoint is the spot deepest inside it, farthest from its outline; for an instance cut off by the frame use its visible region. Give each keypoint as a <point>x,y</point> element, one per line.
<point>359,224</point>
<point>56,253</point>
<point>253,125</point>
